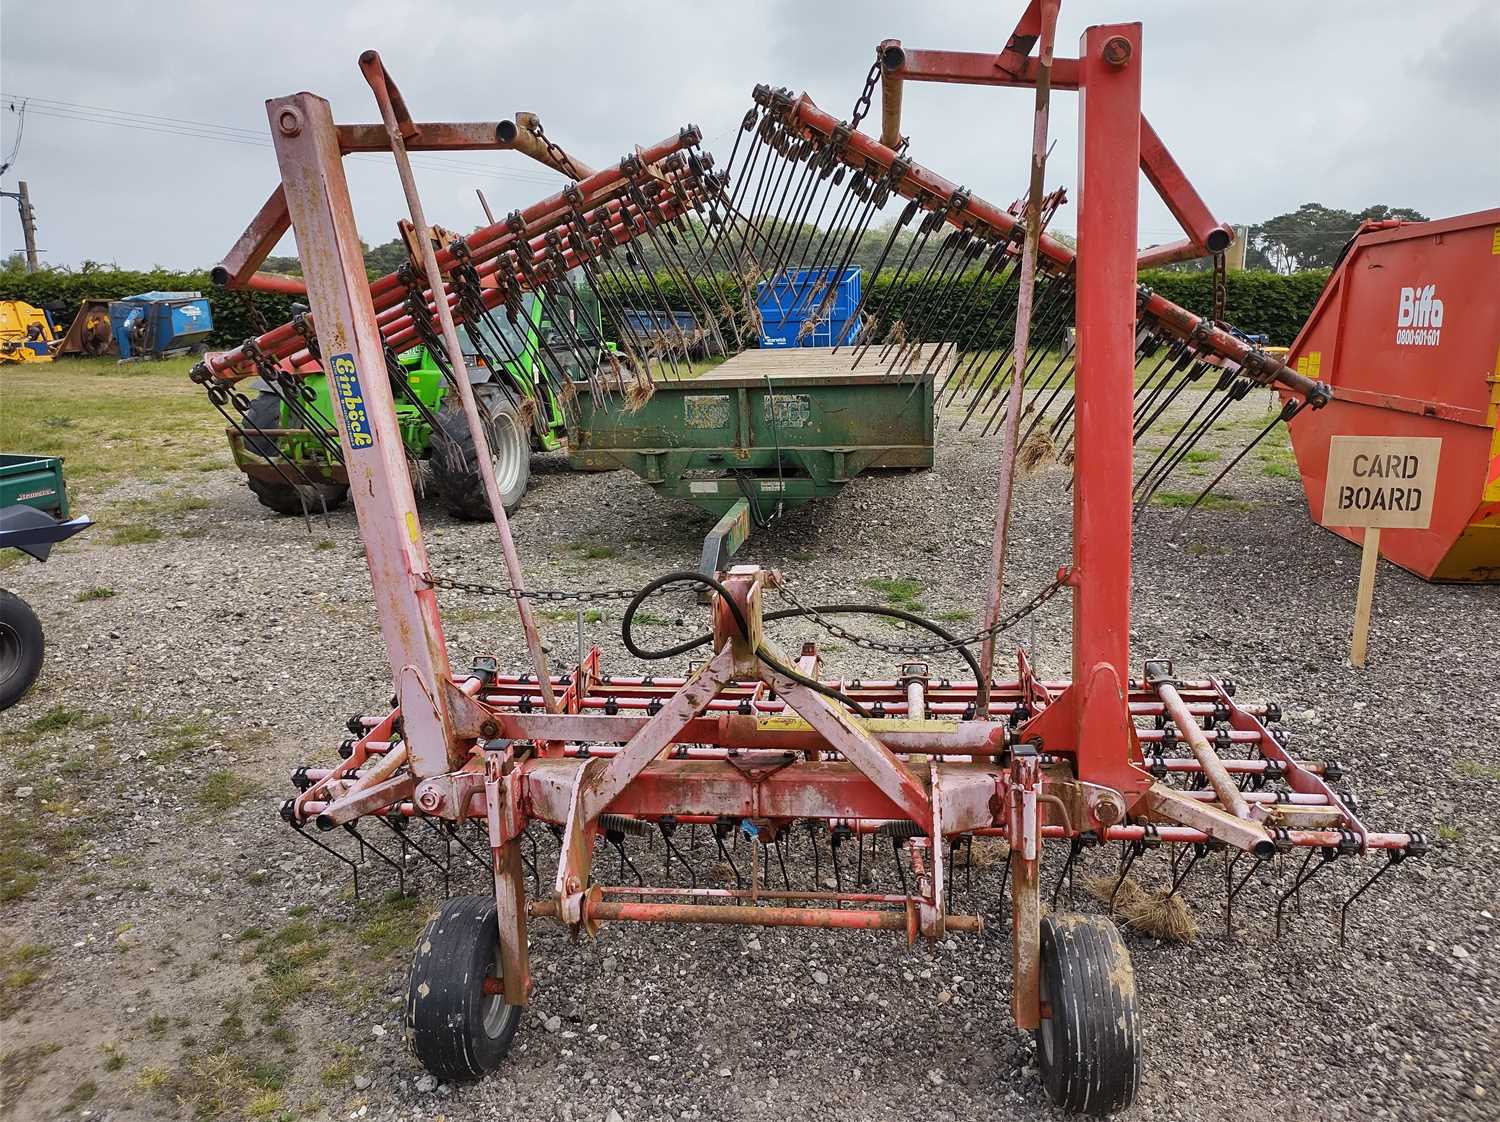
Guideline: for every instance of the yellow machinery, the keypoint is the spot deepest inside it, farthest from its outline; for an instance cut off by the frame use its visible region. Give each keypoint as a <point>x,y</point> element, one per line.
<point>26,334</point>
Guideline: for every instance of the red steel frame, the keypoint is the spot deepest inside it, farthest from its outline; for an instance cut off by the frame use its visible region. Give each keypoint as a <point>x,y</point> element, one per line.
<point>509,750</point>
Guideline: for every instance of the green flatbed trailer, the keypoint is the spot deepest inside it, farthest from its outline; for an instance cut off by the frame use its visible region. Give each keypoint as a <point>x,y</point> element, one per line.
<point>766,431</point>
<point>34,516</point>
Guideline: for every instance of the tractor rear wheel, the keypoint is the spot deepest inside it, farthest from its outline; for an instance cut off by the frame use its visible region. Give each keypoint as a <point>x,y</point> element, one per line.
<point>456,1029</point>
<point>283,498</point>
<point>455,463</point>
<point>1088,1048</point>
<point>21,648</point>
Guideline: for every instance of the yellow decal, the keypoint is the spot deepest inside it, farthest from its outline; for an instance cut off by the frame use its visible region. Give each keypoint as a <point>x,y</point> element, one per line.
<point>878,724</point>
<point>1495,241</point>
<point>1310,365</point>
<point>413,531</point>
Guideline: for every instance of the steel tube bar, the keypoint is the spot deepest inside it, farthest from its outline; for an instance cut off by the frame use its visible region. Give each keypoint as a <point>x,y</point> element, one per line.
<point>1011,434</point>
<point>751,915</point>
<point>1223,784</point>
<point>387,97</point>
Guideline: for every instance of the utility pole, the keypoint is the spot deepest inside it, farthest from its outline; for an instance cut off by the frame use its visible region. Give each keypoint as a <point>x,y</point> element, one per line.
<point>28,221</point>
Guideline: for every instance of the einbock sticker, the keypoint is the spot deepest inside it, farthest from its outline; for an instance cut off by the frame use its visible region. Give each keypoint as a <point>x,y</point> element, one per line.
<point>351,401</point>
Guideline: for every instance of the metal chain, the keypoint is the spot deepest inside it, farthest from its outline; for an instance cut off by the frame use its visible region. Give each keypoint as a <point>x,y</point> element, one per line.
<point>589,596</point>
<point>862,104</point>
<point>554,151</point>
<point>1040,597</point>
<point>257,317</point>
<point>1221,287</point>
<point>475,588</point>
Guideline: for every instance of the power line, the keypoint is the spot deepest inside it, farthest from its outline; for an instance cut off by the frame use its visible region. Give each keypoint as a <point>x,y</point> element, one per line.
<point>15,148</point>
<point>203,130</point>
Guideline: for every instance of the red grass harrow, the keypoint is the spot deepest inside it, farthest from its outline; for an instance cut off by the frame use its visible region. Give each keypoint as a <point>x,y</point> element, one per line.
<point>754,754</point>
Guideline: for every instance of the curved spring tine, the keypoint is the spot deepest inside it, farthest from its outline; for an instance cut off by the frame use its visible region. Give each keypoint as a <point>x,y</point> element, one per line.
<point>672,851</point>
<point>1075,847</point>
<point>1232,889</point>
<point>1394,857</point>
<point>1128,855</point>
<point>407,843</point>
<point>1199,849</point>
<point>739,881</point>
<point>351,862</point>
<point>366,844</point>
<point>1329,855</point>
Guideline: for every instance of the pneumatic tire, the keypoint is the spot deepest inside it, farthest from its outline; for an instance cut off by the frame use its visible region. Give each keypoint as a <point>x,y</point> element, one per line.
<point>283,498</point>
<point>22,648</point>
<point>455,463</point>
<point>456,1030</point>
<point>1088,1047</point>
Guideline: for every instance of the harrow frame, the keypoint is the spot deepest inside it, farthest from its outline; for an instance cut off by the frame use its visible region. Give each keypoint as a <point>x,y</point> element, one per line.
<point>754,737</point>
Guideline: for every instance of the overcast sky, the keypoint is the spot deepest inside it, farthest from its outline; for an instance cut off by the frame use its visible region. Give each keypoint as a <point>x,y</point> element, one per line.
<point>146,142</point>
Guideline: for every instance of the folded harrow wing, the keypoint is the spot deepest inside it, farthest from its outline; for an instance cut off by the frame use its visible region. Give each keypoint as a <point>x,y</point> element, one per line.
<point>541,776</point>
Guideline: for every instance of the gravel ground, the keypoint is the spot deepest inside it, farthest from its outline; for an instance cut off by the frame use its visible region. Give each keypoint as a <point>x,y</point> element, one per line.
<point>181,952</point>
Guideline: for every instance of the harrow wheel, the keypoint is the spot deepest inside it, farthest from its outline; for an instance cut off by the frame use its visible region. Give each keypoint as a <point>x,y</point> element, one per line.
<point>21,648</point>
<point>1087,1046</point>
<point>457,1030</point>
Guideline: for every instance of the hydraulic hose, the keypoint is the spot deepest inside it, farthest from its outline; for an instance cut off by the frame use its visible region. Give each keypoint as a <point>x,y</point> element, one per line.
<point>686,577</point>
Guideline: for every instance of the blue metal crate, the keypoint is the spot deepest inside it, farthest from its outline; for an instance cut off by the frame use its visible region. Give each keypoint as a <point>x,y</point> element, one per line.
<point>788,301</point>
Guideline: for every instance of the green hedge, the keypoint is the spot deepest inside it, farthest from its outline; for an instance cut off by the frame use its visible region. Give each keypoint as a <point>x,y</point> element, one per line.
<point>232,321</point>
<point>1257,302</point>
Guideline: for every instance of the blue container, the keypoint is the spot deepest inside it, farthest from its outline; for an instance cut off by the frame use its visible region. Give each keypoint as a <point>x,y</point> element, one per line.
<point>789,301</point>
<point>156,324</point>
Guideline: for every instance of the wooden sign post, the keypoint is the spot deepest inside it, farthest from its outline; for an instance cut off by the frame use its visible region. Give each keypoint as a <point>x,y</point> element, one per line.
<point>1378,482</point>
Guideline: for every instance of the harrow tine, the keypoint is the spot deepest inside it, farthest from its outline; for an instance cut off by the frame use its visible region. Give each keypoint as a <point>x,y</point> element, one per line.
<point>1128,854</point>
<point>1075,847</point>
<point>1232,889</point>
<point>668,827</point>
<point>1416,848</point>
<point>366,844</point>
<point>720,830</point>
<point>1329,855</point>
<point>326,848</point>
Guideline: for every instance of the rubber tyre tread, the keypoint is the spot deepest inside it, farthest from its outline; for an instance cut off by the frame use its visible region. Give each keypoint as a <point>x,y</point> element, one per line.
<point>1096,1065</point>
<point>24,628</point>
<point>445,997</point>
<point>265,413</point>
<point>455,463</point>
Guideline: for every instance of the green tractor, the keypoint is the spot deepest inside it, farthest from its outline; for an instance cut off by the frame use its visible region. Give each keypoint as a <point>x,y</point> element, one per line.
<point>291,467</point>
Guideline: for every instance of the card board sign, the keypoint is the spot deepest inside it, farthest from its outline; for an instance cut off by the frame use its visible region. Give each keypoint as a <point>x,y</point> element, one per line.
<point>1384,481</point>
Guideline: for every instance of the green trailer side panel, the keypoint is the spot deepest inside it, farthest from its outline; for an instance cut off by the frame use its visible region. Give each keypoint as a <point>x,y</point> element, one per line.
<point>781,426</point>
<point>34,481</point>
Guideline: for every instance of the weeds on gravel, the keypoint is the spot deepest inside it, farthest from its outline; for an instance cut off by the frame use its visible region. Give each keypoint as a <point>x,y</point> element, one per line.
<point>955,615</point>
<point>1176,499</point>
<point>1476,769</point>
<point>35,834</point>
<point>594,551</point>
<point>177,740</point>
<point>98,592</point>
<point>219,1081</point>
<point>898,593</point>
<point>134,534</point>
<point>18,1065</point>
<point>221,790</point>
<point>20,969</point>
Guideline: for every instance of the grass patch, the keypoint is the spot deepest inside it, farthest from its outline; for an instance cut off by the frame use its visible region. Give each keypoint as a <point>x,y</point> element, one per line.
<point>1182,500</point>
<point>219,1082</point>
<point>20,969</point>
<point>1448,832</point>
<point>98,592</point>
<point>82,1093</point>
<point>111,422</point>
<point>593,551</point>
<point>1201,455</point>
<point>176,741</point>
<point>650,620</point>
<point>134,533</point>
<point>1477,769</point>
<point>18,1065</point>
<point>221,790</point>
<point>955,615</point>
<point>590,615</point>
<point>898,593</point>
